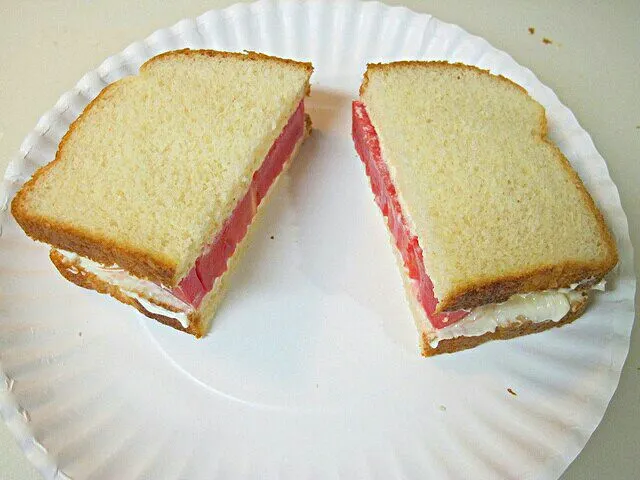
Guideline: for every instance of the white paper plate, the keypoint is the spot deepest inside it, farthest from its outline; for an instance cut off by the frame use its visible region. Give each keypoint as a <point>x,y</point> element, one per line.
<point>311,369</point>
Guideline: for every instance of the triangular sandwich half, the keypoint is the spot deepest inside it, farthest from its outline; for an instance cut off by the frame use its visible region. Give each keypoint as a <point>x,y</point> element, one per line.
<point>495,233</point>
<point>155,184</point>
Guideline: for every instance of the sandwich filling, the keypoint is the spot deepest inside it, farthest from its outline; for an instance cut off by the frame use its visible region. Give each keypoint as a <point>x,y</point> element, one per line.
<point>178,302</point>
<point>536,306</point>
<point>368,147</point>
<point>212,262</point>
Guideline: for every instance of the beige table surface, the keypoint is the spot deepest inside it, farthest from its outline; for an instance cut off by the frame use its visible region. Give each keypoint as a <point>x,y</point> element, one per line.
<point>593,65</point>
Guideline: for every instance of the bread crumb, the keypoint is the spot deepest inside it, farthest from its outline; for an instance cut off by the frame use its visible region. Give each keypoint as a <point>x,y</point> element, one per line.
<point>532,30</point>
<point>442,408</point>
<point>512,392</point>
<point>547,41</point>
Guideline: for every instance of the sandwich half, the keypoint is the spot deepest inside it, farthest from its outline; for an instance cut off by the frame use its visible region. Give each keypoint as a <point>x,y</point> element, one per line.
<point>154,186</point>
<point>494,232</point>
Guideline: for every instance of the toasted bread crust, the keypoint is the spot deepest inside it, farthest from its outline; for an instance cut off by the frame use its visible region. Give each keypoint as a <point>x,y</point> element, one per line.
<point>431,64</point>
<point>247,55</point>
<point>475,294</point>
<point>140,263</point>
<point>516,329</point>
<point>143,264</point>
<point>479,292</point>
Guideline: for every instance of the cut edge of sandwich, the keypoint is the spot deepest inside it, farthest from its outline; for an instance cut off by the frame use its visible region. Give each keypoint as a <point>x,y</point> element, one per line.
<point>141,263</point>
<point>481,291</point>
<point>431,344</point>
<point>195,321</point>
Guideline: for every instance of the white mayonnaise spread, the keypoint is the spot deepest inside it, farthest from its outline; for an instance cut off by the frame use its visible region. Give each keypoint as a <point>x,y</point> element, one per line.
<point>144,291</point>
<point>157,309</point>
<point>535,306</point>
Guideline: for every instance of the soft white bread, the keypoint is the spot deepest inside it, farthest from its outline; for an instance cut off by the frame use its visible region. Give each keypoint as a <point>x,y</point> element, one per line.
<point>157,162</point>
<point>495,205</point>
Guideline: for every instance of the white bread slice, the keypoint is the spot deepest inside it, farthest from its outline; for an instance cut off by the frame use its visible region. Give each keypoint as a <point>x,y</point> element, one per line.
<point>496,207</point>
<point>157,162</point>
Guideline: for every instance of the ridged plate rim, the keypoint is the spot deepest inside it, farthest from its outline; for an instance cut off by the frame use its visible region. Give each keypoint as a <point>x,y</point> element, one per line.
<point>185,33</point>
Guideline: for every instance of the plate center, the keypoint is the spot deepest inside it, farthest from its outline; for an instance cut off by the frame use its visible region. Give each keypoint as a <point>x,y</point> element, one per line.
<point>306,305</point>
